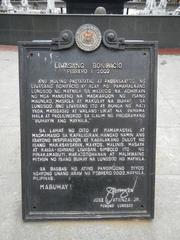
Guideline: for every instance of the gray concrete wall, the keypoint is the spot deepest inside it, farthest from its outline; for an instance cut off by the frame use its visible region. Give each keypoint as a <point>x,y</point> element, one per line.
<point>164,29</point>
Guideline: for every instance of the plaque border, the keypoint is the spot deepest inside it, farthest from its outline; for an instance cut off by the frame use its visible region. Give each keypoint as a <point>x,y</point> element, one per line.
<point>29,215</point>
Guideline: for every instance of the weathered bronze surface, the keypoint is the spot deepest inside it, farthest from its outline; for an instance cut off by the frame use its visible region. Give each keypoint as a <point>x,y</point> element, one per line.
<point>88,127</point>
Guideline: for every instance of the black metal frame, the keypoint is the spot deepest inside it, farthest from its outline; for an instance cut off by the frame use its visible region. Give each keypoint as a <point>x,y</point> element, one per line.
<point>29,215</point>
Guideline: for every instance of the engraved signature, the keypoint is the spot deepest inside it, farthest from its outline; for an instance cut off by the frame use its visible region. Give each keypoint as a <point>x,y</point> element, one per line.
<point>123,192</point>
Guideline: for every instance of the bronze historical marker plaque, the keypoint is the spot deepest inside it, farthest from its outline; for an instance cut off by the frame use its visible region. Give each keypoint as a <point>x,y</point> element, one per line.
<point>88,116</point>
